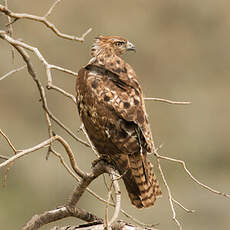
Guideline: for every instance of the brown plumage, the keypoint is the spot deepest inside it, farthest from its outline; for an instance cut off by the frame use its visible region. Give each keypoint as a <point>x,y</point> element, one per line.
<point>111,106</point>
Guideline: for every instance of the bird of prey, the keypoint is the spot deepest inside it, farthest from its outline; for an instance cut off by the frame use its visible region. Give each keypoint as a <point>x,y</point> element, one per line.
<point>111,107</point>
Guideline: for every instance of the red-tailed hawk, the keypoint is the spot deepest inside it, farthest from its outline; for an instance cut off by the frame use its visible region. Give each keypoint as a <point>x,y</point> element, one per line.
<point>111,106</point>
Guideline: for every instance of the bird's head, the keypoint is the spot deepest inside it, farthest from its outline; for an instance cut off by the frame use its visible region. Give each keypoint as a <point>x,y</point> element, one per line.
<point>111,45</point>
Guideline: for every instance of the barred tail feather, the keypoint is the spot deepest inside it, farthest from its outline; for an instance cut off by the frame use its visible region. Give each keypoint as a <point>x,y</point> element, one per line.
<point>140,181</point>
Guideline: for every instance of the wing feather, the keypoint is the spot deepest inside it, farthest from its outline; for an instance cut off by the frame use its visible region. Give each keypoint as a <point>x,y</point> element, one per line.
<point>122,93</point>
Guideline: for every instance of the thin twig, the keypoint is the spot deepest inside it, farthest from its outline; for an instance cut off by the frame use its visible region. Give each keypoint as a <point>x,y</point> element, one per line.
<point>50,132</point>
<point>12,71</point>
<point>63,70</point>
<point>4,157</point>
<point>82,127</point>
<point>51,86</point>
<point>8,140</point>
<point>51,8</point>
<point>180,205</point>
<point>64,164</point>
<point>10,30</point>
<point>167,101</point>
<point>68,150</point>
<point>10,165</point>
<point>6,174</point>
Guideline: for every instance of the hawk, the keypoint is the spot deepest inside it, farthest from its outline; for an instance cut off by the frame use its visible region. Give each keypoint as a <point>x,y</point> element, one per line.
<point>112,109</point>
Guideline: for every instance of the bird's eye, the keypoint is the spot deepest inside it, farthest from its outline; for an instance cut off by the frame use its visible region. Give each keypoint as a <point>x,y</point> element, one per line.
<point>119,44</point>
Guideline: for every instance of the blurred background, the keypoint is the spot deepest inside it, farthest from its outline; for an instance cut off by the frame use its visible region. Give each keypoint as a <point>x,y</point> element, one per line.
<point>183,54</point>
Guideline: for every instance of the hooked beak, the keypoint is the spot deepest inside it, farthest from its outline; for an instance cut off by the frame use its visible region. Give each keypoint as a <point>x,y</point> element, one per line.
<point>130,47</point>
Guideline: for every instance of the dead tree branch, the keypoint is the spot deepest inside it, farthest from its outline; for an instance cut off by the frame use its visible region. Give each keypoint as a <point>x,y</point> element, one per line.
<point>43,19</point>
<point>192,177</point>
<point>51,8</point>
<point>38,221</point>
<point>8,141</point>
<point>12,72</point>
<point>26,151</point>
<point>170,197</point>
<point>71,209</point>
<point>3,157</point>
<point>167,101</point>
<point>20,46</point>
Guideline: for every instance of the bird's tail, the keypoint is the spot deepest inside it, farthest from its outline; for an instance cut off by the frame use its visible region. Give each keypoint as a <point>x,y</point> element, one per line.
<point>140,181</point>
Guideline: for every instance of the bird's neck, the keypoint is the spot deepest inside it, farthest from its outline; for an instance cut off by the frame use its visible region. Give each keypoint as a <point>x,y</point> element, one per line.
<point>103,56</point>
<point>97,50</point>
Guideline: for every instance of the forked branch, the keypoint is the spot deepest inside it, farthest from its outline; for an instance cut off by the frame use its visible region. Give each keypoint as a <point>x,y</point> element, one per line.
<point>170,197</point>
<point>43,19</point>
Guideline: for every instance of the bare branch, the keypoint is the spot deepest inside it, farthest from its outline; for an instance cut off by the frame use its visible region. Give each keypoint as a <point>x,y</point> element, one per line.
<point>71,157</point>
<point>43,20</point>
<point>80,173</point>
<point>10,30</point>
<point>63,70</point>
<point>51,8</point>
<point>64,164</point>
<point>4,157</point>
<point>82,128</point>
<point>136,221</point>
<point>167,101</point>
<point>11,72</point>
<point>6,174</point>
<point>29,150</point>
<point>10,165</point>
<point>192,177</point>
<point>171,199</point>
<point>98,169</point>
<point>8,140</point>
<point>51,86</point>
<point>180,205</point>
<point>50,132</point>
<point>168,191</point>
<point>38,221</point>
<point>86,33</point>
